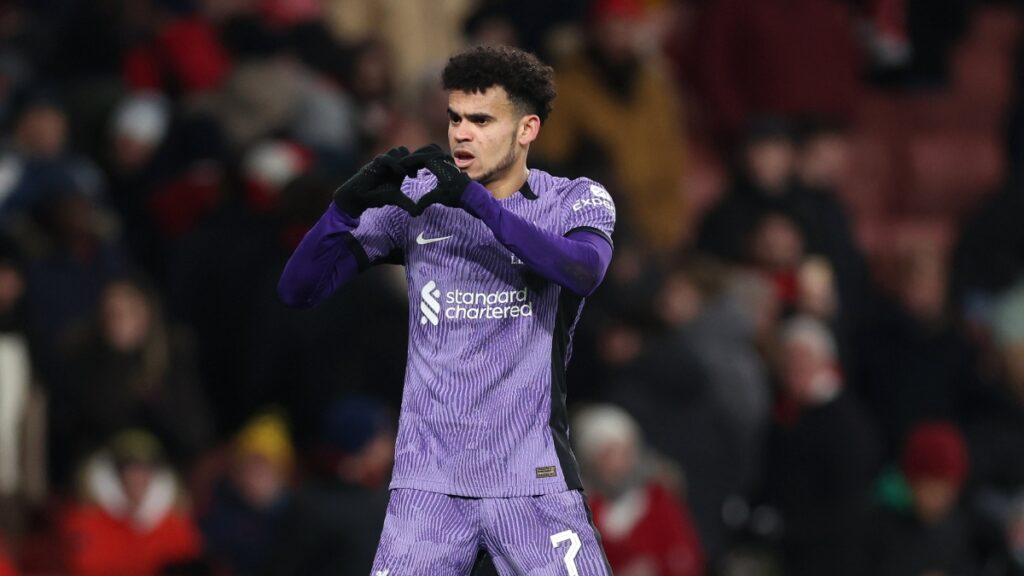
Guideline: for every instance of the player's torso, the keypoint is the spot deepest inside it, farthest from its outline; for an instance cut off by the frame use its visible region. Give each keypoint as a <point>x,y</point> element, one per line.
<point>477,400</point>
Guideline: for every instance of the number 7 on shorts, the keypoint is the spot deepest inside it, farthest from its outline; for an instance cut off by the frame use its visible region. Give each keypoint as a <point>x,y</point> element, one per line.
<point>571,552</point>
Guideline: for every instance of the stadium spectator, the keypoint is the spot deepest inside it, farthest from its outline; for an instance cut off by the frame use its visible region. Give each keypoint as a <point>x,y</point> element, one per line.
<point>71,255</point>
<point>704,319</point>
<point>769,164</point>
<point>932,534</point>
<point>768,182</point>
<point>763,181</point>
<point>418,34</point>
<point>619,120</point>
<point>129,519</point>
<point>821,456</point>
<point>996,434</point>
<point>244,515</point>
<point>337,515</point>
<point>656,372</point>
<point>917,364</point>
<point>175,50</point>
<point>823,167</point>
<point>39,164</point>
<point>130,368</point>
<point>137,159</point>
<point>646,529</point>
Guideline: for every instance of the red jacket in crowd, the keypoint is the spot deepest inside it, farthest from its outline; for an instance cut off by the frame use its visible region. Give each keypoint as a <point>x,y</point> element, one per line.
<point>650,532</point>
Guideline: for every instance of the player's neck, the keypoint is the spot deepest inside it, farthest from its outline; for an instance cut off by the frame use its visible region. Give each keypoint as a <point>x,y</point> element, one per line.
<point>510,183</point>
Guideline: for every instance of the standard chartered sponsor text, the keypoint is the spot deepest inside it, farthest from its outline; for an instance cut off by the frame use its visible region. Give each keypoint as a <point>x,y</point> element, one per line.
<point>487,305</point>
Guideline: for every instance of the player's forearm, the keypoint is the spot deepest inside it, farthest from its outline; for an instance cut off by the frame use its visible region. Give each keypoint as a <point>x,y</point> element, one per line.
<point>577,262</point>
<point>321,263</point>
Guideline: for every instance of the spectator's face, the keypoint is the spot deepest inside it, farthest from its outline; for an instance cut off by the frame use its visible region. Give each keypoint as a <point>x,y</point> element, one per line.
<point>933,498</point>
<point>12,287</point>
<point>679,300</point>
<point>42,132</point>
<point>620,344</point>
<point>777,243</point>
<point>486,134</point>
<point>258,479</point>
<point>372,72</point>
<point>825,161</point>
<point>132,154</point>
<point>126,317</point>
<point>817,291</point>
<point>923,286</point>
<point>769,163</point>
<point>135,480</point>
<point>613,462</point>
<point>802,368</point>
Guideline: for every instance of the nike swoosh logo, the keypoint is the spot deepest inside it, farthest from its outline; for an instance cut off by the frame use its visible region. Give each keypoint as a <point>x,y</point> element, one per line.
<point>421,240</point>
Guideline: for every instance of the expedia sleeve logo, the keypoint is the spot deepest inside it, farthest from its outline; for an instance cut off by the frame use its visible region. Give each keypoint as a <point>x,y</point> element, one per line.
<point>467,305</point>
<point>600,197</point>
<point>600,192</point>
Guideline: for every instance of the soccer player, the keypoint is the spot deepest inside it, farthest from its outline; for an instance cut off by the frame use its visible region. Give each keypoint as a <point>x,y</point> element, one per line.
<point>499,258</point>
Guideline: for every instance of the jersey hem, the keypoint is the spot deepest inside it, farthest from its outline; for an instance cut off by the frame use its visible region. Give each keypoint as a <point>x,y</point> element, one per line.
<point>555,486</point>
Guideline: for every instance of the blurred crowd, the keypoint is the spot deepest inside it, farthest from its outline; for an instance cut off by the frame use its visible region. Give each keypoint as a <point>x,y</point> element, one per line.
<point>807,357</point>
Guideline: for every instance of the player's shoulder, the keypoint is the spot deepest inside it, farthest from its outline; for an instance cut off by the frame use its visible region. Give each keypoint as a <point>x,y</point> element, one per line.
<point>562,187</point>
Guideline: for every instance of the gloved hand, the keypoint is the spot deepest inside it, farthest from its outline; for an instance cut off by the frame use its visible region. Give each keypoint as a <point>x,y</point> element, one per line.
<point>451,182</point>
<point>378,183</point>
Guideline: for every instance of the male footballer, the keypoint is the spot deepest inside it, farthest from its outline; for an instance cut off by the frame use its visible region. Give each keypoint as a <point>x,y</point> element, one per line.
<point>499,258</point>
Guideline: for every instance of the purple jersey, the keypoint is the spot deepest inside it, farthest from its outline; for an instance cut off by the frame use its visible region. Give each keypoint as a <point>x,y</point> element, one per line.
<point>483,409</point>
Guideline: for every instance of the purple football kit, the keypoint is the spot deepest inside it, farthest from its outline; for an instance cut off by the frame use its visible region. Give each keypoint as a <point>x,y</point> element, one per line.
<point>482,457</point>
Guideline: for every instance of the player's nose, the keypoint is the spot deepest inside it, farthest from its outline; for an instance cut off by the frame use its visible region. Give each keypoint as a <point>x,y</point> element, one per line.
<point>461,133</point>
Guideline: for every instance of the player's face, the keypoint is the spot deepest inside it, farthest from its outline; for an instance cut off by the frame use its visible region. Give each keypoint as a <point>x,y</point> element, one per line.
<point>484,133</point>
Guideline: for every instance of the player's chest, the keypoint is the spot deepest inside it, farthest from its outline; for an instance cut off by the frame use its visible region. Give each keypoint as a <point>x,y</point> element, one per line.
<point>455,242</point>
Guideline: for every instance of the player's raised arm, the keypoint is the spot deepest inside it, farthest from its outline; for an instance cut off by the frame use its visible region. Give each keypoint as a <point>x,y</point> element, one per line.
<point>328,255</point>
<point>577,261</point>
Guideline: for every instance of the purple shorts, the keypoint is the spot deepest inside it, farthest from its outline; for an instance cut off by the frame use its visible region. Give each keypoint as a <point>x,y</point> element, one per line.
<point>432,534</point>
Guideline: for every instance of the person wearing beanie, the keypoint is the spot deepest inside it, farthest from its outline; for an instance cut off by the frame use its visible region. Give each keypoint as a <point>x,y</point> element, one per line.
<point>931,535</point>
<point>130,519</point>
<point>248,502</point>
<point>645,527</point>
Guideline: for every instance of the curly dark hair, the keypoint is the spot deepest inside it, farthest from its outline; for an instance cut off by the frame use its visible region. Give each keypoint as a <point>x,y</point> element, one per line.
<point>530,83</point>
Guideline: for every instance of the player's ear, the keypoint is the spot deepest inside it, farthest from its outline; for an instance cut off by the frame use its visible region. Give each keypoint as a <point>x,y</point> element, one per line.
<point>529,129</point>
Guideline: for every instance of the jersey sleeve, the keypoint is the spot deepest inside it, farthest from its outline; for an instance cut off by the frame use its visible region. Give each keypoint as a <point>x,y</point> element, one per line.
<point>588,206</point>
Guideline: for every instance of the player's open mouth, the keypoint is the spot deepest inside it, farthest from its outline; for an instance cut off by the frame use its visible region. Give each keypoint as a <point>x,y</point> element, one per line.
<point>463,158</point>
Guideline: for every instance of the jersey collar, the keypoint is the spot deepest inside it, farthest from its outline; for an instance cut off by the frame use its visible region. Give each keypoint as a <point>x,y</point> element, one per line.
<point>527,191</point>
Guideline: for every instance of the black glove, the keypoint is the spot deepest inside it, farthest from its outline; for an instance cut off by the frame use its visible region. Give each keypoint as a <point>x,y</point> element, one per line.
<point>379,183</point>
<point>451,182</point>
